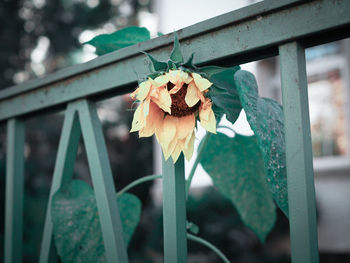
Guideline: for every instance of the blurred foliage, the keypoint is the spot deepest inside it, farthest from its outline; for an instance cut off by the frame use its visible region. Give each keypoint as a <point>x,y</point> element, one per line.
<point>25,22</point>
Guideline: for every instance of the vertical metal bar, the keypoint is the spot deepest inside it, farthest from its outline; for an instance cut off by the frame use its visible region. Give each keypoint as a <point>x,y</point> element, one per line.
<point>102,179</point>
<point>14,191</point>
<point>301,189</point>
<point>174,211</point>
<point>63,172</point>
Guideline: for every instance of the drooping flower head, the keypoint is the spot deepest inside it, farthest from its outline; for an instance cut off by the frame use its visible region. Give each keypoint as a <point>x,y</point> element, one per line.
<point>169,106</point>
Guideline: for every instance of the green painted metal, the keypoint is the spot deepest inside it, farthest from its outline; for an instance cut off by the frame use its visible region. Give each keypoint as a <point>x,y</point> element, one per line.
<point>210,24</point>
<point>102,179</point>
<point>231,37</point>
<point>174,211</point>
<point>63,172</point>
<point>14,191</point>
<point>81,117</point>
<point>301,189</point>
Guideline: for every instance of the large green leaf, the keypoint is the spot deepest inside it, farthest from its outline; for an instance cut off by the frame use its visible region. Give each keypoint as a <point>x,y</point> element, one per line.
<point>237,169</point>
<point>223,92</point>
<point>76,224</point>
<point>265,117</point>
<point>128,36</point>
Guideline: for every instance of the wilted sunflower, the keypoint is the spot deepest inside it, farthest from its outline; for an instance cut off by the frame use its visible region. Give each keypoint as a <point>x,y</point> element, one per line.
<point>169,106</point>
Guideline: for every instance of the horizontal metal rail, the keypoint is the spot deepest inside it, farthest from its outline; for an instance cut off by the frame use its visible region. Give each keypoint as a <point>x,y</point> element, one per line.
<point>240,36</point>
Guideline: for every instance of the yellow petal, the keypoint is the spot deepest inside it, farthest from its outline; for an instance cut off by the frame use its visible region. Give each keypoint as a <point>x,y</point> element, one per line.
<point>160,81</point>
<point>153,121</point>
<point>192,97</point>
<point>138,120</point>
<point>162,98</point>
<point>201,83</point>
<point>175,89</point>
<point>133,95</point>
<point>144,89</point>
<point>176,153</point>
<point>189,149</point>
<point>146,106</point>
<point>188,79</point>
<point>207,117</point>
<point>167,134</point>
<point>178,77</point>
<point>185,126</point>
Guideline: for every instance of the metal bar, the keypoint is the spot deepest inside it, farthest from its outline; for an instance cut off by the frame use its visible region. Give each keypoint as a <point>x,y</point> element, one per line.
<point>225,37</point>
<point>14,191</point>
<point>102,179</point>
<point>174,211</point>
<point>210,24</point>
<point>63,172</point>
<point>301,189</point>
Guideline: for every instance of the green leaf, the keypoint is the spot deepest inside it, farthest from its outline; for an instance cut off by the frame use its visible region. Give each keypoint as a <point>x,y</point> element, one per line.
<point>192,227</point>
<point>176,54</point>
<point>128,36</point>
<point>223,92</point>
<point>189,62</point>
<point>157,65</point>
<point>265,117</point>
<point>236,167</point>
<point>76,224</point>
<point>130,212</point>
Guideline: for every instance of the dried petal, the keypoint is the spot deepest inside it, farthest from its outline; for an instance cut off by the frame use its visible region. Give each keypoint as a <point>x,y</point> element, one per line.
<point>192,97</point>
<point>167,134</point>
<point>201,83</point>
<point>207,117</point>
<point>143,90</point>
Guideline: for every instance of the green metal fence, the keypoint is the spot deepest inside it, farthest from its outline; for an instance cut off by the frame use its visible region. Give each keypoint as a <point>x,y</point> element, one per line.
<point>265,29</point>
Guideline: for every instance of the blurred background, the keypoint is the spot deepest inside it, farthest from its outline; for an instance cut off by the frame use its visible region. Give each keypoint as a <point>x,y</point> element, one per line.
<point>38,37</point>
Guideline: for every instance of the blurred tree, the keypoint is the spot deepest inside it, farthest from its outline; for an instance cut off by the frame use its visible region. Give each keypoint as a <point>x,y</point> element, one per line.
<point>38,37</point>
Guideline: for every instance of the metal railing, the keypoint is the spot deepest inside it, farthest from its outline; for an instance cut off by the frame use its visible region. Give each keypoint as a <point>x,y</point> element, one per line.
<point>265,29</point>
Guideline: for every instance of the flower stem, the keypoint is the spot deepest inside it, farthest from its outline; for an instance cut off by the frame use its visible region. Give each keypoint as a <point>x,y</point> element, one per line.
<point>196,162</point>
<point>208,245</point>
<point>137,182</point>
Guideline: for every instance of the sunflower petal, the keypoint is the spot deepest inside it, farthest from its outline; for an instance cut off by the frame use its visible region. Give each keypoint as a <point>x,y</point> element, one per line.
<point>146,106</point>
<point>162,98</point>
<point>176,153</point>
<point>160,81</point>
<point>178,77</point>
<point>153,120</point>
<point>175,89</point>
<point>167,134</point>
<point>201,83</point>
<point>133,95</point>
<point>138,120</point>
<point>144,89</point>
<point>189,149</point>
<point>185,126</point>
<point>207,117</point>
<point>192,97</point>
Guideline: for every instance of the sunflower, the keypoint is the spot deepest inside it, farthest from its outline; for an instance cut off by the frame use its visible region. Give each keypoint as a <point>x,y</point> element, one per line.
<point>169,106</point>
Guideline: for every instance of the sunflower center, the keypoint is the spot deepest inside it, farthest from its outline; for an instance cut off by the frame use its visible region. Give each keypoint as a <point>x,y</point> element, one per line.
<point>179,107</point>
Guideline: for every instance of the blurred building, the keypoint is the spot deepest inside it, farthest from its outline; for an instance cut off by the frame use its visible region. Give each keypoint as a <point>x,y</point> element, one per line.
<point>328,68</point>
